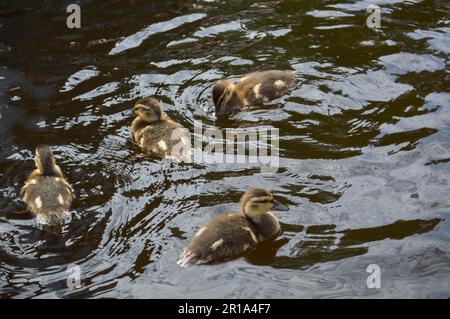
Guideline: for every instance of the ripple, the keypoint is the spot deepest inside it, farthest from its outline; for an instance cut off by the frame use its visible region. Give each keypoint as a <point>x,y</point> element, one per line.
<point>78,77</point>
<point>364,149</point>
<point>136,39</point>
<point>181,41</point>
<point>99,91</point>
<point>215,30</point>
<point>331,27</point>
<point>402,63</point>
<point>372,86</point>
<point>362,5</point>
<point>328,14</point>
<point>437,118</point>
<point>438,39</point>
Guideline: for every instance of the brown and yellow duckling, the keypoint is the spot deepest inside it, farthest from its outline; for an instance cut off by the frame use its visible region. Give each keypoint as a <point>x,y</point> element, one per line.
<point>46,192</point>
<point>253,89</point>
<point>157,134</point>
<point>230,235</point>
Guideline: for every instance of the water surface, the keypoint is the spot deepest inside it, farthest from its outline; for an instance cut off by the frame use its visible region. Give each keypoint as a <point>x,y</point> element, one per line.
<point>364,145</point>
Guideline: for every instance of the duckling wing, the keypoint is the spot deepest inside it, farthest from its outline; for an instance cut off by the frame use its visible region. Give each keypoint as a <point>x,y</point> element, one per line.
<point>224,238</point>
<point>166,140</point>
<point>261,87</point>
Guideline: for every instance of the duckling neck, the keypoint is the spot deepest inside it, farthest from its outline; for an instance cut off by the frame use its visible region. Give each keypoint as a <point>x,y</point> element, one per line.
<point>267,224</point>
<point>49,169</point>
<point>139,123</point>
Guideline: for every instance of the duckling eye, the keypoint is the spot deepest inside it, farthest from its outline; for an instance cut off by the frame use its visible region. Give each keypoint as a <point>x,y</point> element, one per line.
<point>222,97</point>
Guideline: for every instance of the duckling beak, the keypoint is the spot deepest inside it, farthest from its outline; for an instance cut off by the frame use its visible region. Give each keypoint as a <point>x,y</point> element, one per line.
<point>277,206</point>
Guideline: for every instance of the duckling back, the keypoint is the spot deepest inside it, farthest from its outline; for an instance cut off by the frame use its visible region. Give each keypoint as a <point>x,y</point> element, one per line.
<point>163,139</point>
<point>223,238</point>
<point>48,197</point>
<point>259,87</point>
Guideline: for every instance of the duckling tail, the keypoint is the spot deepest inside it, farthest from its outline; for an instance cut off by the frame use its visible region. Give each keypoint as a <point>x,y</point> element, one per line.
<point>51,217</point>
<point>188,257</point>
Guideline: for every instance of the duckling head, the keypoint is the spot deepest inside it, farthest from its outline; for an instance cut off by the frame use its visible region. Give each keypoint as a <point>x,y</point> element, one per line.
<point>257,202</point>
<point>225,98</point>
<point>45,160</point>
<point>148,109</point>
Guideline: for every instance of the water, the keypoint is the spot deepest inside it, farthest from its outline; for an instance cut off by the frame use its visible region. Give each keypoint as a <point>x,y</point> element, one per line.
<point>364,146</point>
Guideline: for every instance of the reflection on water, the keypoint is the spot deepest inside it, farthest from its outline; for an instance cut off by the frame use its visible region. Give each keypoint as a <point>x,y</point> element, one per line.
<point>364,146</point>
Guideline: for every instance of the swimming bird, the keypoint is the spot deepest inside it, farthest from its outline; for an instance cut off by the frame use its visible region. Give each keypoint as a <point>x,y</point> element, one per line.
<point>157,134</point>
<point>46,192</point>
<point>230,235</point>
<point>252,89</point>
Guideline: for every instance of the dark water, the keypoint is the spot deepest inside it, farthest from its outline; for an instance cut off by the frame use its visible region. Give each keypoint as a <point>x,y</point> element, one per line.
<point>364,146</point>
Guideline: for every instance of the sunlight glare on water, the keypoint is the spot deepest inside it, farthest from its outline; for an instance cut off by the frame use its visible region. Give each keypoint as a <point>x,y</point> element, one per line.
<point>364,141</point>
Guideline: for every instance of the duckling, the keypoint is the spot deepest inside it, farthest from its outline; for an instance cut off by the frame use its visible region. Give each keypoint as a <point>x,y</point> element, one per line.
<point>230,235</point>
<point>252,89</point>
<point>157,134</point>
<point>46,192</point>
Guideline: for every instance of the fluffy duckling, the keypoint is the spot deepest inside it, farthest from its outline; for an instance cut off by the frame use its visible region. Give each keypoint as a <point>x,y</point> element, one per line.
<point>230,235</point>
<point>254,88</point>
<point>46,192</point>
<point>157,134</point>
